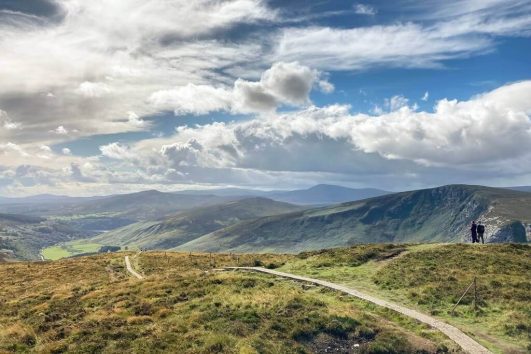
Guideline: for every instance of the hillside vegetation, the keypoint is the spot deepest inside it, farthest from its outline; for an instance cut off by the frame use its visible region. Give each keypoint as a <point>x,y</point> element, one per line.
<point>180,228</point>
<point>433,277</point>
<point>432,215</point>
<point>183,306</point>
<point>25,235</point>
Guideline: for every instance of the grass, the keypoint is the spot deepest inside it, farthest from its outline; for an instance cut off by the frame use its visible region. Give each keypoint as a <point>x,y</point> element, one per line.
<point>185,306</point>
<point>431,278</point>
<point>69,249</point>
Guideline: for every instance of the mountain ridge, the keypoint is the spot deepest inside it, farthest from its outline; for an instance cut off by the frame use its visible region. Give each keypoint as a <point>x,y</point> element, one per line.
<point>439,214</point>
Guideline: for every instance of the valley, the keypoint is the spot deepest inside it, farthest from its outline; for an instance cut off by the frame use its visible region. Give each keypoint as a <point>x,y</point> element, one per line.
<point>196,221</point>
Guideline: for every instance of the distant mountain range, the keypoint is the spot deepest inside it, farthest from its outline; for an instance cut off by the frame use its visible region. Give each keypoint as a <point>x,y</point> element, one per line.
<point>234,220</point>
<point>188,225</point>
<point>432,215</point>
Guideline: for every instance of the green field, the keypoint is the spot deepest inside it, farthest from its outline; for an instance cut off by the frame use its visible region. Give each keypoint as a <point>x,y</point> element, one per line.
<point>69,249</point>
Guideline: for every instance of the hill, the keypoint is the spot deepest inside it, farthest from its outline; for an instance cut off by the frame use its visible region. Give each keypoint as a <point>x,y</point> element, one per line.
<point>182,306</point>
<point>431,278</point>
<point>326,194</point>
<point>431,215</point>
<point>188,225</point>
<point>96,214</point>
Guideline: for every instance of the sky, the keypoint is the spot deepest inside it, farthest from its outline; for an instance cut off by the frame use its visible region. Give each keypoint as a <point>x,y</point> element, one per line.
<point>101,97</point>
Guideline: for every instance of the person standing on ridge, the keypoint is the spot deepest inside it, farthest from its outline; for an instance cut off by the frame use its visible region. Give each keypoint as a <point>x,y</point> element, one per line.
<point>481,231</point>
<point>474,231</point>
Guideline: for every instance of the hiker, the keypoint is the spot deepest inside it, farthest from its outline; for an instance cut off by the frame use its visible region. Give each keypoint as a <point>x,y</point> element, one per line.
<point>474,231</point>
<point>481,231</point>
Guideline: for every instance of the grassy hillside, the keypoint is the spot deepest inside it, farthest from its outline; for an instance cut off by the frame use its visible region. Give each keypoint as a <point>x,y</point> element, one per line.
<point>184,307</point>
<point>433,277</point>
<point>432,215</point>
<point>183,227</point>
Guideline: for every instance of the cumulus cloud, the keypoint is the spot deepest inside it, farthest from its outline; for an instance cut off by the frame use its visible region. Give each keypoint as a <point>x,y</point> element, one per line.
<point>66,151</point>
<point>97,62</point>
<point>193,99</point>
<point>491,127</point>
<point>116,151</point>
<point>283,83</point>
<point>425,96</point>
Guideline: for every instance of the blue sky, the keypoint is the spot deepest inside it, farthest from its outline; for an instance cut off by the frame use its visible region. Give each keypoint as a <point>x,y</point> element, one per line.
<point>100,97</point>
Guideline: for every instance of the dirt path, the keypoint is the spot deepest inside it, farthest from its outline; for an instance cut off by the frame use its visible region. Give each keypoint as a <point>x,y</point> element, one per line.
<point>130,268</point>
<point>465,342</point>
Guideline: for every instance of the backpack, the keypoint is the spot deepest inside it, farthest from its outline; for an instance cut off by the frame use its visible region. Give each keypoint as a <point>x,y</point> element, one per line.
<point>481,229</point>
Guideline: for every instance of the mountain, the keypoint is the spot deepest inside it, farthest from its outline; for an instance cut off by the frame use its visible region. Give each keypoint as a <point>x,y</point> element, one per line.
<point>320,194</point>
<point>325,194</point>
<point>431,215</point>
<point>147,204</point>
<point>185,226</point>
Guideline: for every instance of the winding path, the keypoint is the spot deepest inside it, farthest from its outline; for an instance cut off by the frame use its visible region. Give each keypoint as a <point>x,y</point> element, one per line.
<point>130,268</point>
<point>465,342</point>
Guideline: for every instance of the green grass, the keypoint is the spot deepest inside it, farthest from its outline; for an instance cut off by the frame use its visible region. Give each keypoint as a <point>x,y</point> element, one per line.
<point>69,249</point>
<point>184,306</point>
<point>55,252</point>
<point>431,278</point>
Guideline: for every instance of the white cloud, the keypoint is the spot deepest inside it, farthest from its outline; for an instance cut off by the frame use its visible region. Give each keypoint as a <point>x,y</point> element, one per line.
<point>45,148</point>
<point>326,86</point>
<point>66,151</point>
<point>491,127</point>
<point>425,96</point>
<point>194,99</point>
<point>116,151</point>
<point>362,9</point>
<point>134,120</point>
<point>396,102</point>
<point>283,83</point>
<point>100,61</point>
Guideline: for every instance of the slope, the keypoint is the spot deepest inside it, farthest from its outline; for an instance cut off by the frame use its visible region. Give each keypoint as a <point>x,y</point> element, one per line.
<point>183,227</point>
<point>185,307</point>
<point>430,215</point>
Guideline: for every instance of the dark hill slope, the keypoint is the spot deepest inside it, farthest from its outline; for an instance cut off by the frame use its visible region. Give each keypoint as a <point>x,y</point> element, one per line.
<point>431,215</point>
<point>183,227</point>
